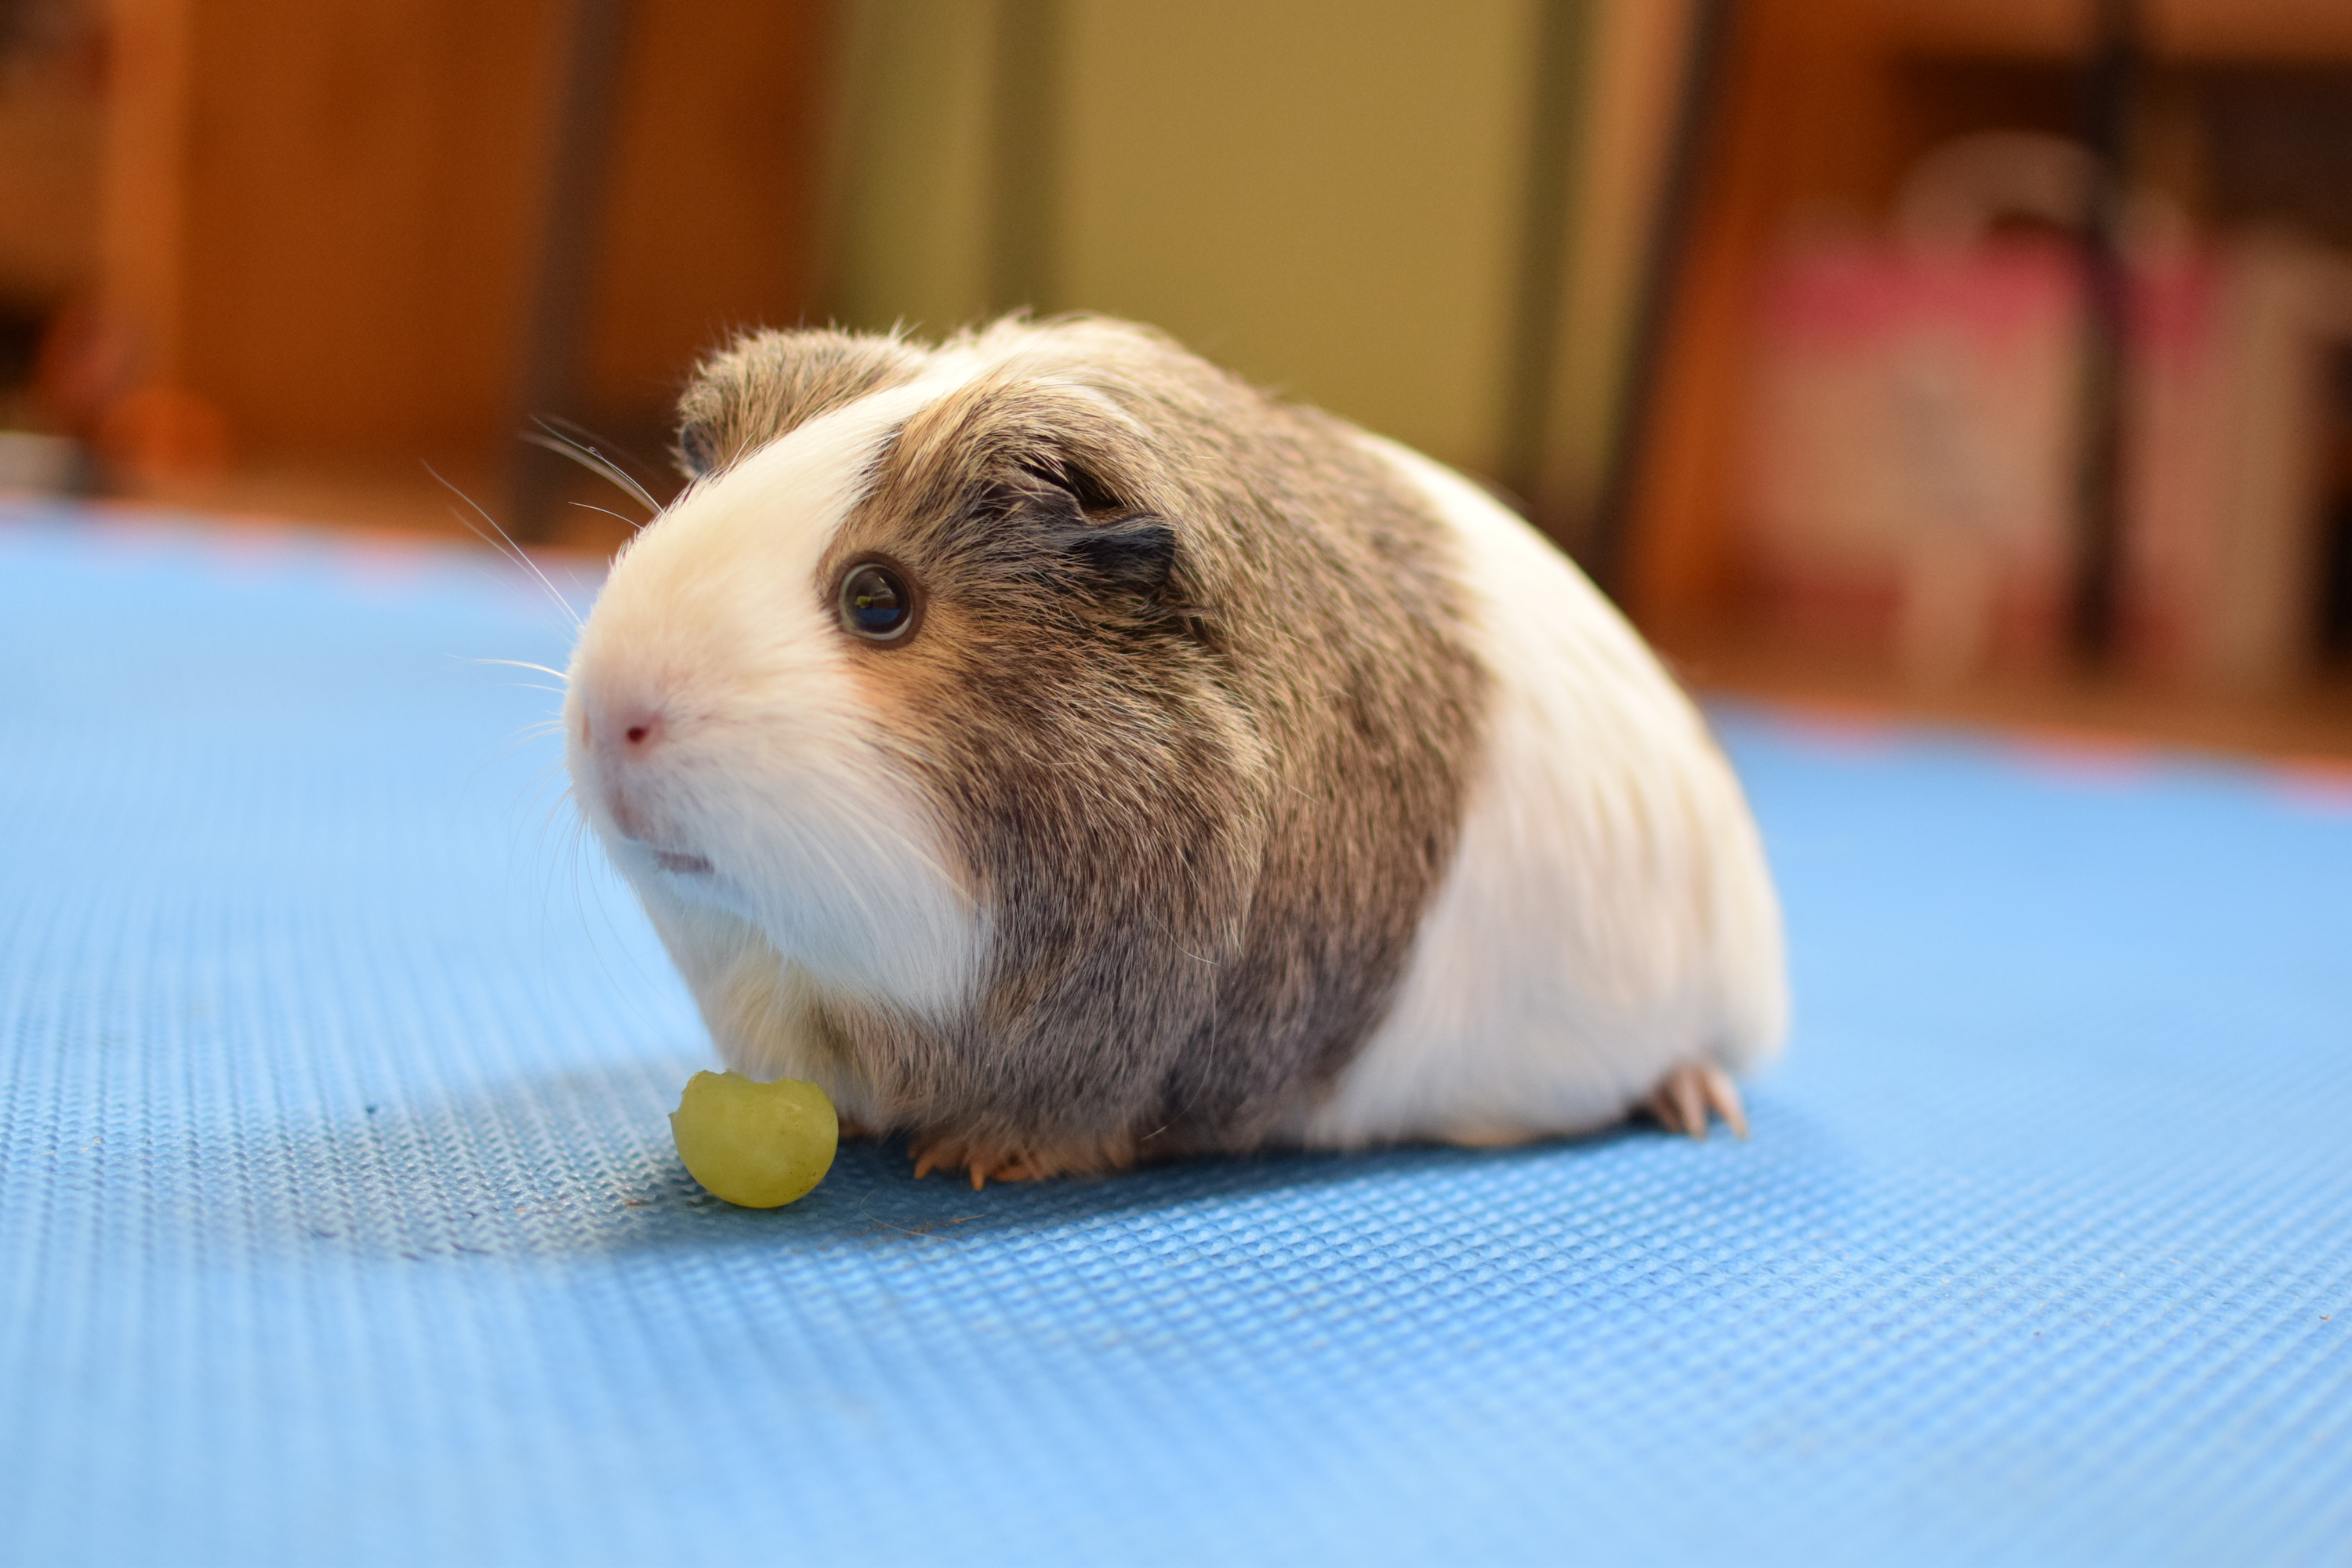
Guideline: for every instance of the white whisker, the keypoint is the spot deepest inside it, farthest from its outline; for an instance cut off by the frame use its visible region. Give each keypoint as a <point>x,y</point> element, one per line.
<point>524,663</point>
<point>505,543</point>
<point>608,511</point>
<point>553,440</point>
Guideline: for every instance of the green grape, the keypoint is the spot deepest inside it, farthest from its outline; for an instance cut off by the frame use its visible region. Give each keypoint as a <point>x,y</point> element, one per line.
<point>756,1144</point>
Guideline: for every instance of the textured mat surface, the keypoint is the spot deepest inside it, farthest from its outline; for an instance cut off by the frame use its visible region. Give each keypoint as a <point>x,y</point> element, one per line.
<point>338,1221</point>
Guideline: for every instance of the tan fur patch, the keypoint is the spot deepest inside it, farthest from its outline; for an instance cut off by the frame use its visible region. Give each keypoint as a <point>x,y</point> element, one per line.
<point>766,385</point>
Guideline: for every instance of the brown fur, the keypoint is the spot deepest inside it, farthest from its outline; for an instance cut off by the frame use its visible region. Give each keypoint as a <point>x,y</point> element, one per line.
<point>765,385</point>
<point>1193,698</point>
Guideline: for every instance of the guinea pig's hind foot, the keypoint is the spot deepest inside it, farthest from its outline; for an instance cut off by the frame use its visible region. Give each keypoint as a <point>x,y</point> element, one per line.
<point>1685,1097</point>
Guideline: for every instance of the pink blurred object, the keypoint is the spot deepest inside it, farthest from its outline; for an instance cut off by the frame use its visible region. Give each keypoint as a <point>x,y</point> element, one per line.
<point>1911,470</point>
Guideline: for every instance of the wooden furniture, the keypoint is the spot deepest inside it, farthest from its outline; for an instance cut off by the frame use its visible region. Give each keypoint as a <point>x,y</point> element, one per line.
<point>325,226</point>
<point>1827,103</point>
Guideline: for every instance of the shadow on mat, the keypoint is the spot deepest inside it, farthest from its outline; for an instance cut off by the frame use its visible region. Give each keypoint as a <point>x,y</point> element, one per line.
<point>581,1163</point>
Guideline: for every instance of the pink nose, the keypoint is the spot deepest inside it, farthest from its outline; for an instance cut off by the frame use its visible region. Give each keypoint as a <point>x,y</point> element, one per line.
<point>641,729</point>
<point>623,740</point>
<point>626,735</point>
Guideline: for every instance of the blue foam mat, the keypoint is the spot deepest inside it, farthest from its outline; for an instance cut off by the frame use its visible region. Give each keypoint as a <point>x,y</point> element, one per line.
<point>338,1221</point>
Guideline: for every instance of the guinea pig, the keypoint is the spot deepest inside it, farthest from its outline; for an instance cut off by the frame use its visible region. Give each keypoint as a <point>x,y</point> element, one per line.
<point>1067,754</point>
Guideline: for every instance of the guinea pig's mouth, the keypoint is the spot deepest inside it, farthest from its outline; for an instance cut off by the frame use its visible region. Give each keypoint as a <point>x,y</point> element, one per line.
<point>681,865</point>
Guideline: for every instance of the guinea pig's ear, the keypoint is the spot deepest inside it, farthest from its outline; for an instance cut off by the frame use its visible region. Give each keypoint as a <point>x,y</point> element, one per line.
<point>1078,481</point>
<point>1132,554</point>
<point>1119,549</point>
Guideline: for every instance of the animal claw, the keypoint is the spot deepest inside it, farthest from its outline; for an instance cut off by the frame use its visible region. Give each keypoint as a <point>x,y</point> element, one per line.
<point>985,1162</point>
<point>1685,1097</point>
<point>1724,1096</point>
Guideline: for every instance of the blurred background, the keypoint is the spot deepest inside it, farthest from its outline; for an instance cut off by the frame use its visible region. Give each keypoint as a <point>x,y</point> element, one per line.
<point>1981,358</point>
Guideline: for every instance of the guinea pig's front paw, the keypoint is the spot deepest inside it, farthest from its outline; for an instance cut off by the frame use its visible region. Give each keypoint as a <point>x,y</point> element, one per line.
<point>948,1153</point>
<point>1004,1163</point>
<point>1685,1097</point>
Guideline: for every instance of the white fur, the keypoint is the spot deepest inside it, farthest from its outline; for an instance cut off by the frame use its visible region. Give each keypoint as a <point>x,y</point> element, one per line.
<point>826,870</point>
<point>1608,916</point>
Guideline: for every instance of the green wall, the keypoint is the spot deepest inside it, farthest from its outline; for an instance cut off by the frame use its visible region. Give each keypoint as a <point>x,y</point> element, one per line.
<point>1327,195</point>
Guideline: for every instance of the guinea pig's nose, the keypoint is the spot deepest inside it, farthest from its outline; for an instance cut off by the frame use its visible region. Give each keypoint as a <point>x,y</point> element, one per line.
<point>626,732</point>
<point>641,731</point>
<point>622,738</point>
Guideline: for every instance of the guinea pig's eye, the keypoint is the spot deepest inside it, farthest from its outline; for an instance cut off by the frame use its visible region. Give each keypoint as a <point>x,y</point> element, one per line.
<point>875,603</point>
